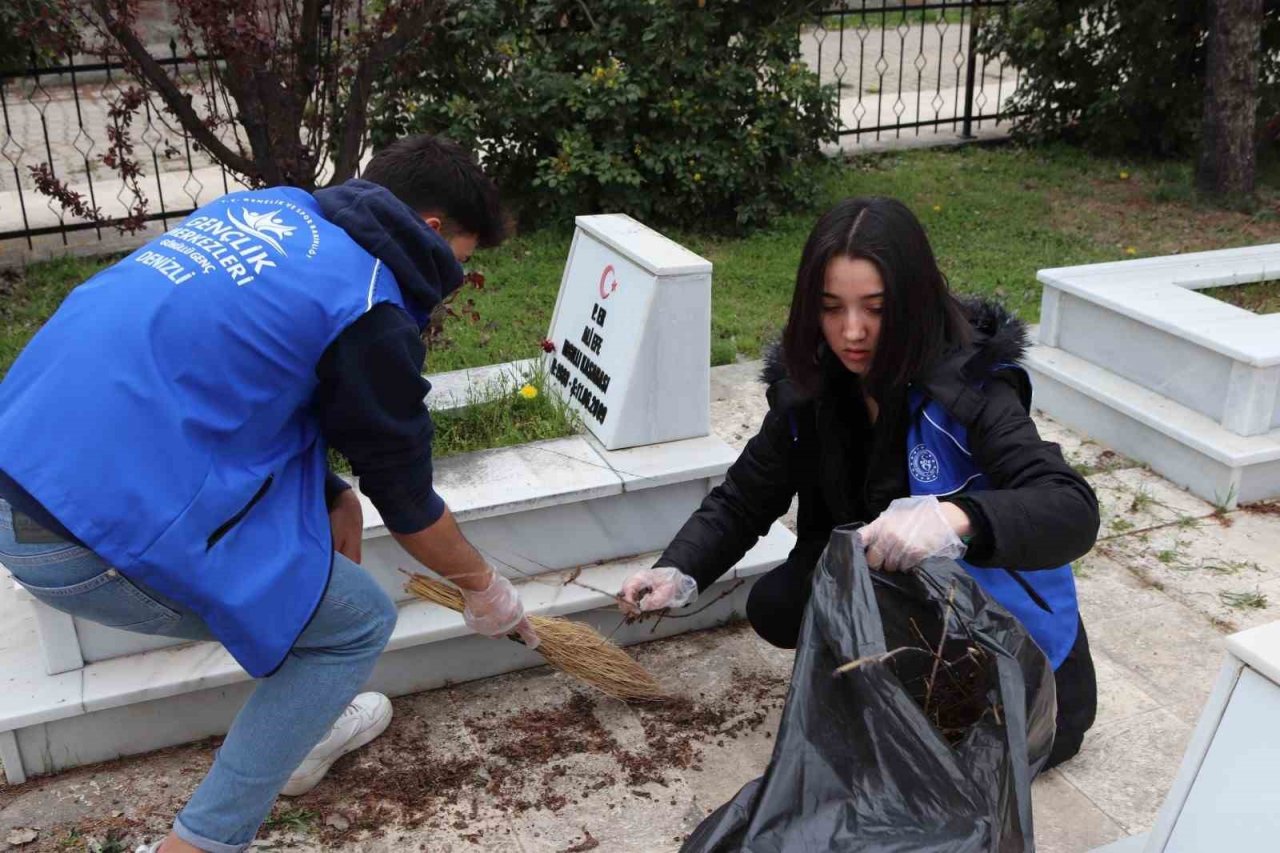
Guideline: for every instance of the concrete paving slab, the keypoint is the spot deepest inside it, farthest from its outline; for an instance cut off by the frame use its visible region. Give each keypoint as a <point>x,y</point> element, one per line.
<point>1168,501</point>
<point>1171,651</point>
<point>627,823</point>
<point>1066,820</point>
<point>1109,590</point>
<point>1226,567</point>
<point>1254,533</point>
<point>1051,429</point>
<point>1131,500</point>
<point>738,404</point>
<point>1119,697</point>
<point>1084,454</point>
<point>1125,766</point>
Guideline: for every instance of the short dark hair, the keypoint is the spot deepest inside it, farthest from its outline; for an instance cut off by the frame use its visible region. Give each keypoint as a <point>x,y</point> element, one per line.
<point>921,319</point>
<point>433,174</point>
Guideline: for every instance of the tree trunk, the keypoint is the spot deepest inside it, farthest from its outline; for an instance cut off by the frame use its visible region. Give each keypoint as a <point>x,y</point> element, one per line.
<point>1227,147</point>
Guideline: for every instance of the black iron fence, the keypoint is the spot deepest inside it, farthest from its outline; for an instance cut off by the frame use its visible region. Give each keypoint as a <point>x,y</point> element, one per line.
<point>59,118</point>
<point>904,68</point>
<point>900,68</point>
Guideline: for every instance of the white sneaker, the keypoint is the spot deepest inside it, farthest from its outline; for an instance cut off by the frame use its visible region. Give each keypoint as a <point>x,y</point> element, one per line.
<point>149,848</point>
<point>365,718</point>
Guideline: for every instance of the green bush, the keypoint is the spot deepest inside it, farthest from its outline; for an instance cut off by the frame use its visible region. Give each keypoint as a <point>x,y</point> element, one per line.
<point>692,113</point>
<point>19,19</point>
<point>1117,75</point>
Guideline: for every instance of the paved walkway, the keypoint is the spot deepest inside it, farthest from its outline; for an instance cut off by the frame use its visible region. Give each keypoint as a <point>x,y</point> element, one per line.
<point>526,762</point>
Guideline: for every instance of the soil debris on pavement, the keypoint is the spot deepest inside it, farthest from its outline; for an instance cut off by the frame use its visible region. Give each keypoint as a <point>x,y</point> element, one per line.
<point>454,769</point>
<point>543,759</point>
<point>588,842</point>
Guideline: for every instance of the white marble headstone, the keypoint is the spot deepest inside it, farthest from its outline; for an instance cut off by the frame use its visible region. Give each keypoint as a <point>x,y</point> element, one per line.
<point>632,334</point>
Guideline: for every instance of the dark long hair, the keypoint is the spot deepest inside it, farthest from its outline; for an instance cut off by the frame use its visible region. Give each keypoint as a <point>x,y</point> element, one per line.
<point>921,319</point>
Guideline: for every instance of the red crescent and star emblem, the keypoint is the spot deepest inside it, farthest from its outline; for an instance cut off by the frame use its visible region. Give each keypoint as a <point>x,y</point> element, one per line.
<point>610,277</point>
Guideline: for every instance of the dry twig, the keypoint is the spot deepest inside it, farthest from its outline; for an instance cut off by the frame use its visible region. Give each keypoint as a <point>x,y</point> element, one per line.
<point>571,647</point>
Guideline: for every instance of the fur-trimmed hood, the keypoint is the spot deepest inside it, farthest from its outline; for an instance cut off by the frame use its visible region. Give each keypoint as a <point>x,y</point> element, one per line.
<point>999,338</point>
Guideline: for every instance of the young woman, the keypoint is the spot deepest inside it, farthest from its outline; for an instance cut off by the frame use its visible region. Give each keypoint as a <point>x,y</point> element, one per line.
<point>893,403</point>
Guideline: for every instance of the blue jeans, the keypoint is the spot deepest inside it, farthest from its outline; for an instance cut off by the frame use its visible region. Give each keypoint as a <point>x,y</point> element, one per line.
<point>288,713</point>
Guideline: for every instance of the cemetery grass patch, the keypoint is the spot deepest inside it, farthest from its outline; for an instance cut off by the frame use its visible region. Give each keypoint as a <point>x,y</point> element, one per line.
<point>498,415</point>
<point>1133,209</point>
<point>1261,298</point>
<point>29,296</point>
<point>995,215</point>
<point>503,419</point>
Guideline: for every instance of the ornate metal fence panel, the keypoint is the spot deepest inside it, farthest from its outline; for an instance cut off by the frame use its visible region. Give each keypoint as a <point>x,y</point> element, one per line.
<point>901,69</point>
<point>58,121</point>
<point>907,69</point>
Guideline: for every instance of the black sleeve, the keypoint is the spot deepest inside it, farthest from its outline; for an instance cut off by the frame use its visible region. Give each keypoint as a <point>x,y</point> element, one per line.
<point>980,541</point>
<point>333,486</point>
<point>756,492</point>
<point>371,406</point>
<point>1039,512</point>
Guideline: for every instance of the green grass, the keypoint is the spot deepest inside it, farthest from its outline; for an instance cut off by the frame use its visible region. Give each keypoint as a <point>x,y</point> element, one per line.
<point>501,419</point>
<point>995,215</point>
<point>28,298</point>
<point>291,820</point>
<point>1142,501</point>
<point>1260,298</point>
<point>1120,524</point>
<point>892,18</point>
<point>988,213</point>
<point>73,840</point>
<point>1244,600</point>
<point>500,415</point>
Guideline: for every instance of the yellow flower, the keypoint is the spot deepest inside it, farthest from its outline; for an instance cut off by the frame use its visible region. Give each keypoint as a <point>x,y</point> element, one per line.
<point>1124,176</point>
<point>528,392</point>
<point>697,176</point>
<point>1129,250</point>
<point>937,208</point>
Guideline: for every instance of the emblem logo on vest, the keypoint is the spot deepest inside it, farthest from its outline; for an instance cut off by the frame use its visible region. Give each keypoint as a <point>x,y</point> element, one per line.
<point>923,464</point>
<point>263,226</point>
<point>239,245</point>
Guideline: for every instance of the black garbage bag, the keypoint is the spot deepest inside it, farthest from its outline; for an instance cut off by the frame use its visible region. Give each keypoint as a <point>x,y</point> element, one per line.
<point>907,751</point>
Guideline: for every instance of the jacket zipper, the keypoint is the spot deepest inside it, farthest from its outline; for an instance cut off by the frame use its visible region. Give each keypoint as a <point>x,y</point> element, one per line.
<point>225,527</point>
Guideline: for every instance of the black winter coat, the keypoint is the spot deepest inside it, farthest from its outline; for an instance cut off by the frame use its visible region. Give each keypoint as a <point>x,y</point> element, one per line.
<point>1039,513</point>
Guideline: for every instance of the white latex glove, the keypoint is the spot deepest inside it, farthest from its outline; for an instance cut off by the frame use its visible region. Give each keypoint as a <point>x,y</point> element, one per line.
<point>910,531</point>
<point>657,589</point>
<point>497,611</point>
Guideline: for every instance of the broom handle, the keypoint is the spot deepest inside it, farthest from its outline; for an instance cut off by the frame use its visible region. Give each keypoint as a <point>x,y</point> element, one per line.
<point>445,595</point>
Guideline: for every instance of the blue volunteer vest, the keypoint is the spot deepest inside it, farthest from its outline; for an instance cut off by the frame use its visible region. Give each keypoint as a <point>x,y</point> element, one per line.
<point>162,414</point>
<point>939,463</point>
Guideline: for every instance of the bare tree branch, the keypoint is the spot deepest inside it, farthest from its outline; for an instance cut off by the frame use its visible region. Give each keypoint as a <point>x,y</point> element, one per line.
<point>309,36</point>
<point>351,134</point>
<point>173,97</point>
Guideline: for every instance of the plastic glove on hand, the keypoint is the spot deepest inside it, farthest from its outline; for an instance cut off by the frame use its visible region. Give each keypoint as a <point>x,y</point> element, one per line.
<point>910,531</point>
<point>496,611</point>
<point>657,589</point>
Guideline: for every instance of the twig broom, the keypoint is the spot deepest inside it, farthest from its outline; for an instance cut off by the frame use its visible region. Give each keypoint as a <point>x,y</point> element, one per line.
<point>571,647</point>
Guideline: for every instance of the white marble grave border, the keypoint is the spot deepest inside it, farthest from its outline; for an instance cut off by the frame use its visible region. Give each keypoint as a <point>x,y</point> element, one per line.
<point>1162,293</point>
